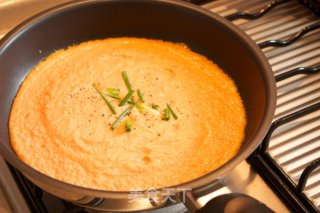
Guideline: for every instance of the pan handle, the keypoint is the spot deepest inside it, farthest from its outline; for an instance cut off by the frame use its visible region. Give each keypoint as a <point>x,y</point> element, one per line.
<point>234,203</point>
<point>223,203</point>
<point>227,203</point>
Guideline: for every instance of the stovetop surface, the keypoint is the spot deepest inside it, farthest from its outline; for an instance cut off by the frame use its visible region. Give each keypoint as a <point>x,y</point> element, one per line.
<point>293,94</point>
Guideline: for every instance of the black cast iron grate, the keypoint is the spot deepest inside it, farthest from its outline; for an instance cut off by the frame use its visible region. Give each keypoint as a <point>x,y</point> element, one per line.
<point>265,164</point>
<point>40,201</point>
<point>292,194</point>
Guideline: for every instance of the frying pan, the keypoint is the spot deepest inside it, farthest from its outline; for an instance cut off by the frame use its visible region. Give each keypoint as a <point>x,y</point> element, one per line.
<point>204,32</point>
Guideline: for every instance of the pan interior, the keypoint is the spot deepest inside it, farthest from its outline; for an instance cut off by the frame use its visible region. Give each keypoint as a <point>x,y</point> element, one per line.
<point>204,34</point>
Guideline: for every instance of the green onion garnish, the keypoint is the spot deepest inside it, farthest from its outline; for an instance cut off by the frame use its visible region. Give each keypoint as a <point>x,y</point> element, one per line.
<point>138,104</point>
<point>124,113</point>
<point>126,80</point>
<point>112,92</point>
<point>131,102</point>
<point>105,99</point>
<point>166,115</point>
<point>149,109</point>
<point>139,108</point>
<point>140,95</point>
<point>128,125</point>
<point>140,99</point>
<point>172,112</point>
<point>126,98</point>
<point>119,119</point>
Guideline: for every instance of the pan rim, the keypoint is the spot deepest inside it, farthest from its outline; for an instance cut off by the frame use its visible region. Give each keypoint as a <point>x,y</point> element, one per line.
<point>193,184</point>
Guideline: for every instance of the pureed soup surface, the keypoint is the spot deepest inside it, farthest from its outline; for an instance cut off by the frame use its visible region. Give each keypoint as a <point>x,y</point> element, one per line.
<point>61,125</point>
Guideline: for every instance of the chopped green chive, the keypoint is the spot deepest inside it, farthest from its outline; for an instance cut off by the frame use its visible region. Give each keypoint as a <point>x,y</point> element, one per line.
<point>151,110</point>
<point>140,108</point>
<point>126,98</point>
<point>120,118</point>
<point>138,104</point>
<point>131,102</point>
<point>172,112</point>
<point>140,98</point>
<point>126,80</point>
<point>105,99</point>
<point>112,92</point>
<point>124,114</point>
<point>166,115</point>
<point>128,125</point>
<point>140,95</point>
<point>155,106</point>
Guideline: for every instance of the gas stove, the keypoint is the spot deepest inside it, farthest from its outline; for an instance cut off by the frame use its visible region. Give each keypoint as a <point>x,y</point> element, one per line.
<point>284,171</point>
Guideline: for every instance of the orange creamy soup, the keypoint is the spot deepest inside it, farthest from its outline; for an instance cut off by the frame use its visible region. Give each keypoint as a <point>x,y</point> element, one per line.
<point>181,115</point>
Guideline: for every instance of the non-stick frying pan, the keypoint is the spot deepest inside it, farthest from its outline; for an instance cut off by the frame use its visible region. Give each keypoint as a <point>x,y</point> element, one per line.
<point>203,31</point>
